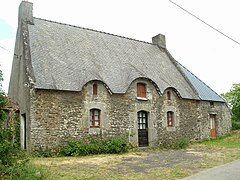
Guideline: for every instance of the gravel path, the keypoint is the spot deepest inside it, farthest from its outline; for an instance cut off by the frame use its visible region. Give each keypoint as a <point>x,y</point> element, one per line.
<point>155,159</point>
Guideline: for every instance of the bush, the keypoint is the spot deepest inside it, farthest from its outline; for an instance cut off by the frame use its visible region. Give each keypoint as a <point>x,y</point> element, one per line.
<point>94,145</point>
<point>116,145</point>
<point>235,125</point>
<point>176,144</point>
<point>22,170</point>
<point>41,152</point>
<point>9,152</point>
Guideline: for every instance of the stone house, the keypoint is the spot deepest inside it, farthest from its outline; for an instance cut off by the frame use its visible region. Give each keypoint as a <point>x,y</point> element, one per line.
<point>70,81</point>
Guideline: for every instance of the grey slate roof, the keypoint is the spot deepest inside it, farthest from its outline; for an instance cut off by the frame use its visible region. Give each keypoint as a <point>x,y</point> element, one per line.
<point>204,92</point>
<point>66,57</point>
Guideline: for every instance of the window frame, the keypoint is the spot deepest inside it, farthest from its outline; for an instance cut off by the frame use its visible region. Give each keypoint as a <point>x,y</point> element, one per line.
<point>141,90</point>
<point>92,118</point>
<point>211,104</point>
<point>170,119</point>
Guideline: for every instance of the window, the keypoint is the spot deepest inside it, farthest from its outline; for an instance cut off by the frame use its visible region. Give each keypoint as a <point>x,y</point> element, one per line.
<point>168,95</point>
<point>141,90</point>
<point>142,120</point>
<point>211,104</point>
<point>170,119</point>
<point>94,118</point>
<point>94,89</point>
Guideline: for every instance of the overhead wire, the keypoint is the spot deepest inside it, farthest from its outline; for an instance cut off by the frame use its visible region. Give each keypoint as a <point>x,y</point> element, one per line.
<point>220,32</point>
<point>5,49</point>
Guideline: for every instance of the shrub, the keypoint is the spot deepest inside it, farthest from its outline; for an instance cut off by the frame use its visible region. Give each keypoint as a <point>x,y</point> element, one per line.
<point>116,145</point>
<point>176,144</point>
<point>9,152</point>
<point>22,170</point>
<point>42,152</point>
<point>94,145</point>
<point>235,125</point>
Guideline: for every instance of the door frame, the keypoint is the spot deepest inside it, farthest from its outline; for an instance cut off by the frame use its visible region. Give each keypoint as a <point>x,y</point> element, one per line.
<point>23,135</point>
<point>213,126</point>
<point>142,124</point>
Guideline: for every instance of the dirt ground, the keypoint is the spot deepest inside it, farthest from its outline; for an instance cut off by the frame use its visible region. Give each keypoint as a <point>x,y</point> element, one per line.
<point>143,163</point>
<point>152,159</point>
<point>140,164</point>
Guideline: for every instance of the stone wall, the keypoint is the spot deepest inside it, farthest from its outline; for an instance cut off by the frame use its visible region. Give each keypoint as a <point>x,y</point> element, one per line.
<point>59,115</point>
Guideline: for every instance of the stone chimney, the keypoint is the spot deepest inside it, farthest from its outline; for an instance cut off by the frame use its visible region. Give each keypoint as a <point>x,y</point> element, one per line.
<point>25,12</point>
<point>159,40</point>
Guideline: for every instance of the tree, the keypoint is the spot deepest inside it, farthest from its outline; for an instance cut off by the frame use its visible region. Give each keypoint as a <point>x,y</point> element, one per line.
<point>2,100</point>
<point>233,98</point>
<point>5,144</point>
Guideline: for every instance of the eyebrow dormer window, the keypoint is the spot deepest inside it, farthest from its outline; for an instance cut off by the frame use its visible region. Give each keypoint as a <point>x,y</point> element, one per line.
<point>141,90</point>
<point>168,95</point>
<point>94,89</point>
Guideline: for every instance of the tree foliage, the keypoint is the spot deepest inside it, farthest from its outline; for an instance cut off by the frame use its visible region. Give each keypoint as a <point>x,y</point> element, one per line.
<point>2,101</point>
<point>233,98</point>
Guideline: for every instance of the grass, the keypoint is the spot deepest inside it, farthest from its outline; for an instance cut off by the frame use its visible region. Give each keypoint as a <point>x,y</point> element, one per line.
<point>133,165</point>
<point>24,172</point>
<point>229,141</point>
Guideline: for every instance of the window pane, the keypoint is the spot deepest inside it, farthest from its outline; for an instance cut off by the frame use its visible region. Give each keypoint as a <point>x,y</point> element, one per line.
<point>94,117</point>
<point>170,118</point>
<point>96,123</point>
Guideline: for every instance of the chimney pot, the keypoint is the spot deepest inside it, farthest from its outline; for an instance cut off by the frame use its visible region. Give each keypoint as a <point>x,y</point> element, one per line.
<point>25,12</point>
<point>159,40</point>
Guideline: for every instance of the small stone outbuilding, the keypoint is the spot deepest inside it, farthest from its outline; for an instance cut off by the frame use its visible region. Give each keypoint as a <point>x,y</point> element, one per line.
<point>70,82</point>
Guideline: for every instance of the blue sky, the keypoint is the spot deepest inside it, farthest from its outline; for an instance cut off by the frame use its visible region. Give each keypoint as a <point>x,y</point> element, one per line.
<point>6,31</point>
<point>209,55</point>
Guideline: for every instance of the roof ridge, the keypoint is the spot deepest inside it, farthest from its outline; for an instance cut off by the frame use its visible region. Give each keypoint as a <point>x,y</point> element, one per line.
<point>93,30</point>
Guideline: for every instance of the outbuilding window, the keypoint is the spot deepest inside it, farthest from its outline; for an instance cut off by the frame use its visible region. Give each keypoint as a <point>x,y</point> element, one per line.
<point>95,118</point>
<point>170,119</point>
<point>141,90</point>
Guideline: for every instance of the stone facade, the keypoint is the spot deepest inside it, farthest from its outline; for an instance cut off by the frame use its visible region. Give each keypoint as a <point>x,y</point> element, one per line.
<point>52,84</point>
<point>59,115</point>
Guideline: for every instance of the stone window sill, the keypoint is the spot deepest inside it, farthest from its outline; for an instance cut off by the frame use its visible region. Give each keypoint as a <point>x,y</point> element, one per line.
<point>171,128</point>
<point>142,98</point>
<point>95,130</point>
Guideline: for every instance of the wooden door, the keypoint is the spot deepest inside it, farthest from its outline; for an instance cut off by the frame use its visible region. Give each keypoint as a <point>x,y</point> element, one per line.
<point>142,129</point>
<point>213,130</point>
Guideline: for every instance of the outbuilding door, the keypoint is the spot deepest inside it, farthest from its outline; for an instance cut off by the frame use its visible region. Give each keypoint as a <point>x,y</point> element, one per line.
<point>142,128</point>
<point>213,130</point>
<point>23,133</point>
